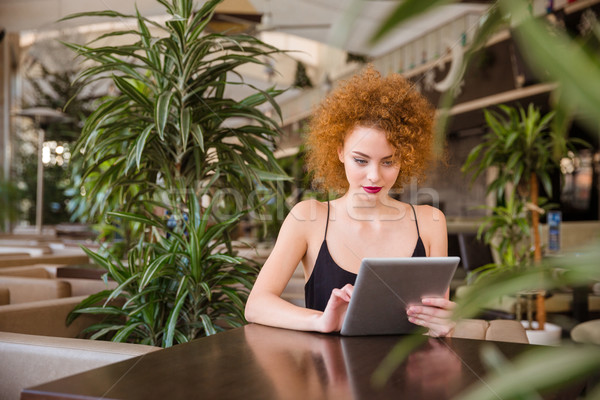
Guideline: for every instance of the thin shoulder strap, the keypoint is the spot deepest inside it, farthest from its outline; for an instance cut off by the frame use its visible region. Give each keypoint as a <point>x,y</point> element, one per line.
<point>416,222</point>
<point>327,222</point>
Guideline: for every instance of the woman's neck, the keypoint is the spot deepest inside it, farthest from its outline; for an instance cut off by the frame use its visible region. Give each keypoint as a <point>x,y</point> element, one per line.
<point>363,207</point>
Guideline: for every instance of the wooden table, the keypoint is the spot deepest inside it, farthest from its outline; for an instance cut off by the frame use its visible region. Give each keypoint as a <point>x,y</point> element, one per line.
<point>257,362</point>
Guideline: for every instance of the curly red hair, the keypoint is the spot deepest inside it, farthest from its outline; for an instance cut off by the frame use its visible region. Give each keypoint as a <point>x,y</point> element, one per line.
<point>388,103</point>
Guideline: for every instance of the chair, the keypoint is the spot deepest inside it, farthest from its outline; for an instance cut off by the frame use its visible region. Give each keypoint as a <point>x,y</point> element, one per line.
<point>474,253</point>
<point>459,278</point>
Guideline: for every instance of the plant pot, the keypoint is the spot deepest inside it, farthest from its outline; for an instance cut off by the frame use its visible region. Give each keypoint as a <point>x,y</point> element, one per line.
<point>550,336</point>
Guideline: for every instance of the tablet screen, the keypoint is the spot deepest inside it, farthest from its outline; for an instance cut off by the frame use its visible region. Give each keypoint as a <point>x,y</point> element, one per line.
<point>386,287</point>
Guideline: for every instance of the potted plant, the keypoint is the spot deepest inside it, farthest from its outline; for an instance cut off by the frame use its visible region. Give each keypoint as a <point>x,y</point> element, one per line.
<point>524,151</point>
<point>172,141</point>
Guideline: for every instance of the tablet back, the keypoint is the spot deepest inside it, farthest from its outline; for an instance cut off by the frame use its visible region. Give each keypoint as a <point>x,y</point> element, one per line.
<point>385,287</point>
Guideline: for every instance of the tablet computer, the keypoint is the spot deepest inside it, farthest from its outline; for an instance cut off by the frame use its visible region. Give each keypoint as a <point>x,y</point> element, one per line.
<point>386,287</point>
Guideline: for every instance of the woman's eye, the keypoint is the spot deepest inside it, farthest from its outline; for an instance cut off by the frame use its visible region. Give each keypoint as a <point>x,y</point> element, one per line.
<point>360,161</point>
<point>388,163</point>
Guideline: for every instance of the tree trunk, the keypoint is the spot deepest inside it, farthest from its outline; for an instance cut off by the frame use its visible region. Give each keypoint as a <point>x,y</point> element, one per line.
<point>537,253</point>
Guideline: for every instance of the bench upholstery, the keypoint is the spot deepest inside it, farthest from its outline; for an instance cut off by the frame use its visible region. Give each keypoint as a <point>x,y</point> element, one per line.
<point>46,317</point>
<point>30,360</point>
<point>23,290</point>
<point>497,330</point>
<point>78,287</point>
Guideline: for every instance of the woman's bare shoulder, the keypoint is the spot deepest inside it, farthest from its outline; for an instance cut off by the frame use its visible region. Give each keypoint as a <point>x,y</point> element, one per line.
<point>433,231</point>
<point>303,220</point>
<point>430,214</point>
<point>308,210</point>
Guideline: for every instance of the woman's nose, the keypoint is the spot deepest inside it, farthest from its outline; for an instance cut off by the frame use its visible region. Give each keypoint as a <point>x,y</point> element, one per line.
<point>373,174</point>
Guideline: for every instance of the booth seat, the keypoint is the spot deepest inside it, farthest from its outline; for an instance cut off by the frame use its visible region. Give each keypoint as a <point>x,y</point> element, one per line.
<point>46,317</point>
<point>4,296</point>
<point>23,290</point>
<point>69,259</point>
<point>31,271</point>
<point>79,287</point>
<point>30,360</point>
<point>502,330</point>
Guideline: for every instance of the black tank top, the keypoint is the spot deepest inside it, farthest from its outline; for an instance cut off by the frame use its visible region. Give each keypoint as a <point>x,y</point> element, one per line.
<point>327,275</point>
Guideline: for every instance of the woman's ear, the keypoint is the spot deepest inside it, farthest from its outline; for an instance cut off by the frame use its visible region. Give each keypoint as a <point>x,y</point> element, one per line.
<point>341,153</point>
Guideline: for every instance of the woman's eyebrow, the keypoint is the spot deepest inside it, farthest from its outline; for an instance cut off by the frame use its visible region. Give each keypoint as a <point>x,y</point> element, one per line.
<point>358,153</point>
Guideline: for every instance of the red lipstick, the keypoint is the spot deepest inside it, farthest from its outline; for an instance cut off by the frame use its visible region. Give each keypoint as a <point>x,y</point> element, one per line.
<point>372,189</point>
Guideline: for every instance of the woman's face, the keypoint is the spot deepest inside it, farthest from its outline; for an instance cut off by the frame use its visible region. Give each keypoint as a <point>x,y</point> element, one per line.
<point>367,157</point>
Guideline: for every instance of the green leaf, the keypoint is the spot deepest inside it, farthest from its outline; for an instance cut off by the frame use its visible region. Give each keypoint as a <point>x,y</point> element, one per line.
<point>106,13</point>
<point>198,136</point>
<point>161,112</point>
<point>104,331</point>
<point>224,258</point>
<point>140,143</point>
<point>561,365</point>
<point>153,270</point>
<point>184,126</point>
<point>546,182</point>
<point>124,333</point>
<point>99,310</point>
<point>116,292</point>
<point>268,176</point>
<point>201,19</point>
<point>89,301</point>
<point>173,318</point>
<point>136,218</point>
<point>131,91</point>
<point>208,325</point>
<point>552,52</point>
<point>98,259</point>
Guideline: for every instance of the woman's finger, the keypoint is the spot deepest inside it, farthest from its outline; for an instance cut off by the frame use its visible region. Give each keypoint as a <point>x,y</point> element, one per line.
<point>340,294</point>
<point>423,311</point>
<point>439,302</point>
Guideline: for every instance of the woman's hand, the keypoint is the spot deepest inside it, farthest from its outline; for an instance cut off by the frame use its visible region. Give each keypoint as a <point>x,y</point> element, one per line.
<point>435,313</point>
<point>333,317</point>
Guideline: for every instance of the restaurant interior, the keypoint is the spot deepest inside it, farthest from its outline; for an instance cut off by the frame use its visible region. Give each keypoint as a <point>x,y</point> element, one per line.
<point>94,223</point>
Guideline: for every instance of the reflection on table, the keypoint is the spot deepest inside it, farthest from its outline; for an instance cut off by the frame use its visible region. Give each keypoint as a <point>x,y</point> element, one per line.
<point>335,367</point>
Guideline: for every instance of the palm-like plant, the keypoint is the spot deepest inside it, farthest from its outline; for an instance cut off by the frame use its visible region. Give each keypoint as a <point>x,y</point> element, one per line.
<point>170,137</point>
<point>525,152</point>
<point>174,289</point>
<point>169,126</point>
<point>508,229</point>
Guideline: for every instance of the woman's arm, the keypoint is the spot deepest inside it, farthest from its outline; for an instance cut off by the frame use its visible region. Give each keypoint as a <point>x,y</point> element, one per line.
<point>435,313</point>
<point>265,306</point>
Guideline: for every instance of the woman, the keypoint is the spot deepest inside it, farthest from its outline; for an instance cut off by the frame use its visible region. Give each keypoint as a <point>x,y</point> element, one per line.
<point>368,137</point>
